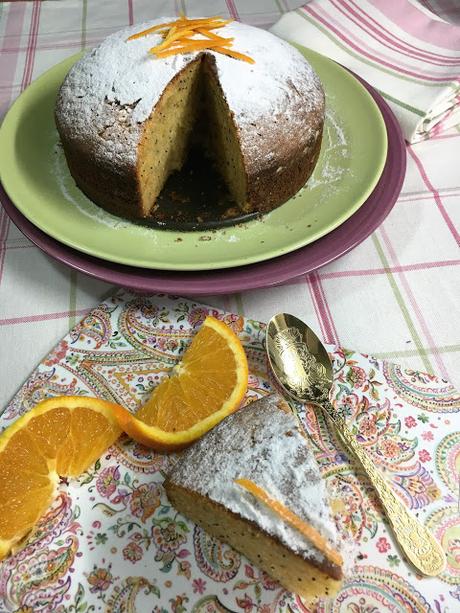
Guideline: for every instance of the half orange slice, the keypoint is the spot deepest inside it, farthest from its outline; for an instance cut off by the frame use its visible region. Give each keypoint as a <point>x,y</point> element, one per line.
<point>59,437</point>
<point>207,385</point>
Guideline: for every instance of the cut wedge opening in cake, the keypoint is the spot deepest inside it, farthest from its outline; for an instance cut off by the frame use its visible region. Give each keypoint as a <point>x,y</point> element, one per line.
<point>192,115</point>
<point>166,135</point>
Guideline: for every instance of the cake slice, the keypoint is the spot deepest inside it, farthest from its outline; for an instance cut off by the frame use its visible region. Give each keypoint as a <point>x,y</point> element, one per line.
<point>263,445</point>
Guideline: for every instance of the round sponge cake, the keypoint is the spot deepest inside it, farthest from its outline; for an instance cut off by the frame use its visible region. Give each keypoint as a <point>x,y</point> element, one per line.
<point>126,118</point>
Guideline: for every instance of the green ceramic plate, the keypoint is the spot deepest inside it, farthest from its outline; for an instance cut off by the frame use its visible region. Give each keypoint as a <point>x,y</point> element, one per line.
<point>35,176</point>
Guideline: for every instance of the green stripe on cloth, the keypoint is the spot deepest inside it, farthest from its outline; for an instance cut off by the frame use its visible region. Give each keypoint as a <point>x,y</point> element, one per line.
<point>400,301</point>
<point>409,353</point>
<point>239,304</point>
<point>347,50</point>
<point>73,298</point>
<point>403,105</point>
<point>84,16</point>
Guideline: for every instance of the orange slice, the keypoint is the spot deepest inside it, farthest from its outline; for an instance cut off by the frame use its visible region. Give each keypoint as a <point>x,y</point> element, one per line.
<point>193,45</point>
<point>60,436</point>
<point>207,385</point>
<point>306,529</point>
<point>63,436</point>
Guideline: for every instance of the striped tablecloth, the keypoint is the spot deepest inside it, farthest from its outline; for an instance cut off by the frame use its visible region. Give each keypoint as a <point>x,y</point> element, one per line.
<point>395,296</point>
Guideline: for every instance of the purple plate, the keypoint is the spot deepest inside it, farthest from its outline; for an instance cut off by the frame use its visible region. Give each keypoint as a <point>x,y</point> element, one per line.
<point>272,272</point>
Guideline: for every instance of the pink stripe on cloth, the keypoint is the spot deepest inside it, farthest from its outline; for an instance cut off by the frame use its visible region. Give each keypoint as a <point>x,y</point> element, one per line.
<point>416,23</point>
<point>322,310</point>
<point>351,41</point>
<point>130,12</point>
<point>437,197</point>
<point>444,136</point>
<point>8,62</point>
<point>13,29</point>
<point>45,317</point>
<point>368,272</point>
<point>26,79</point>
<point>30,57</point>
<point>415,308</point>
<point>387,38</point>
<point>232,9</point>
<point>68,44</point>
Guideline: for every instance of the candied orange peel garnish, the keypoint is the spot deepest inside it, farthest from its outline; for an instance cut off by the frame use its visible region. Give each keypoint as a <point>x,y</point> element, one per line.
<point>306,529</point>
<point>178,37</point>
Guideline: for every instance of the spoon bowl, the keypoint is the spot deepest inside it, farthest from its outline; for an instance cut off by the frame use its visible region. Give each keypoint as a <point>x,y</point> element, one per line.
<point>301,365</point>
<point>298,359</point>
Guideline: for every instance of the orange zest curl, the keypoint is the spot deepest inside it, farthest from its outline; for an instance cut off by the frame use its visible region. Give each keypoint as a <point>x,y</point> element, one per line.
<point>193,45</point>
<point>178,37</point>
<point>235,54</point>
<point>306,529</point>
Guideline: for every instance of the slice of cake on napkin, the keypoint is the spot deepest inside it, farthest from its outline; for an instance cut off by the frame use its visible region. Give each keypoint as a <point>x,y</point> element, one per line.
<point>253,482</point>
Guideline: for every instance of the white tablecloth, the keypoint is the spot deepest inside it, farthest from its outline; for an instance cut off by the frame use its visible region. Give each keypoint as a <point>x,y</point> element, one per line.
<point>395,296</point>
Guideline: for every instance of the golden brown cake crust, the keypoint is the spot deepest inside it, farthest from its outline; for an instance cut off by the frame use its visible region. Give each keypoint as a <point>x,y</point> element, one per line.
<point>122,198</point>
<point>274,186</point>
<point>113,187</point>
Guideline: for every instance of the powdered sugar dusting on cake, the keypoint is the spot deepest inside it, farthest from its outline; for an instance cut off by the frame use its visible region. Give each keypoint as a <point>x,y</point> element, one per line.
<point>255,90</point>
<point>261,443</point>
<point>110,92</point>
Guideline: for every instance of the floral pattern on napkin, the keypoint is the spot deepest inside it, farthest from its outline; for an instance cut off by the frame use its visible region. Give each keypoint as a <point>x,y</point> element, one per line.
<point>112,542</point>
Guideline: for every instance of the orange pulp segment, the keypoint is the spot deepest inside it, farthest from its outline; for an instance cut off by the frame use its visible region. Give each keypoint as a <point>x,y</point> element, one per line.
<point>306,529</point>
<point>207,385</point>
<point>60,436</point>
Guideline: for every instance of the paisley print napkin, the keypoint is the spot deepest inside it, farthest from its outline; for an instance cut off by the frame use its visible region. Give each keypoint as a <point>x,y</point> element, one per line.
<point>112,542</point>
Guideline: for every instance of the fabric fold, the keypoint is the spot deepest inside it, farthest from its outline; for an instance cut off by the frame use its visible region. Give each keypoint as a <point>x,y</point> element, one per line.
<point>410,56</point>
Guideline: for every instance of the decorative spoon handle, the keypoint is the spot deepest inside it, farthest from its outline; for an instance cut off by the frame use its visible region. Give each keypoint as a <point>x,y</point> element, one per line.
<point>419,545</point>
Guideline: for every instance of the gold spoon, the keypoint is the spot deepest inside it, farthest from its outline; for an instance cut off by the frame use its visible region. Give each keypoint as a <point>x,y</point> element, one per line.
<point>302,366</point>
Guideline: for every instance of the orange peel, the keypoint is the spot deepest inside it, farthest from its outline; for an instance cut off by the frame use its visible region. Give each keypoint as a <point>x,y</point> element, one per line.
<point>306,529</point>
<point>236,54</point>
<point>176,37</point>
